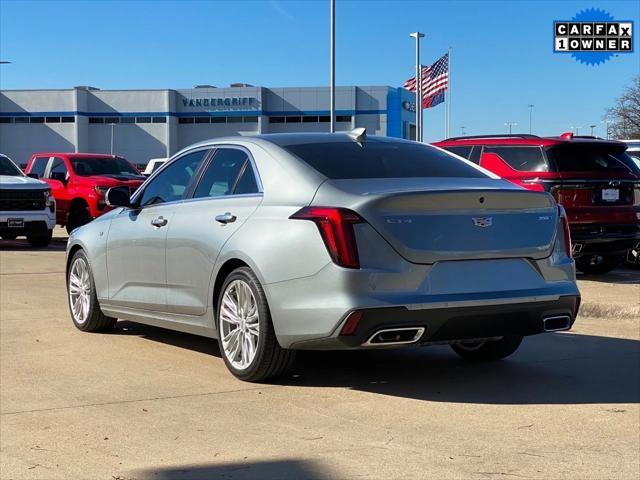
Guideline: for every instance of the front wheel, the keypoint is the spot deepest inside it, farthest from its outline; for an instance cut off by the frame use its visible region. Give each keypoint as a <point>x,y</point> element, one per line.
<point>40,239</point>
<point>597,264</point>
<point>83,302</point>
<point>78,216</point>
<point>489,349</point>
<point>248,343</point>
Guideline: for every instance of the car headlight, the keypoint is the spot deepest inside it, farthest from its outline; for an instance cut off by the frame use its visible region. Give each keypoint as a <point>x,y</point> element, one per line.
<point>49,200</point>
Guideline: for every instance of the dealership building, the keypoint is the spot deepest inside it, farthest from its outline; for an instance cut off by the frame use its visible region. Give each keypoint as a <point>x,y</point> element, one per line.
<point>144,124</point>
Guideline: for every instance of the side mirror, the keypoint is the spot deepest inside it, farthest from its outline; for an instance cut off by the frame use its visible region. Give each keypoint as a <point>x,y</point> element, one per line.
<point>59,176</point>
<point>118,197</point>
<point>33,175</point>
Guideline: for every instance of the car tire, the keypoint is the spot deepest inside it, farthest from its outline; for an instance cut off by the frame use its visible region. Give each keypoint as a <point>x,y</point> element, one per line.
<point>488,350</point>
<point>597,264</point>
<point>78,216</point>
<point>246,337</point>
<point>40,239</point>
<point>9,237</point>
<point>81,294</point>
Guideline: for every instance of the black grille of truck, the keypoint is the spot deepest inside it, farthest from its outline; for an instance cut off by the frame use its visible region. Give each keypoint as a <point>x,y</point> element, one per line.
<point>21,200</point>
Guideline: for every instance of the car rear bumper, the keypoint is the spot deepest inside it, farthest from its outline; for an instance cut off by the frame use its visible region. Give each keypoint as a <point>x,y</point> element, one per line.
<point>604,238</point>
<point>451,324</point>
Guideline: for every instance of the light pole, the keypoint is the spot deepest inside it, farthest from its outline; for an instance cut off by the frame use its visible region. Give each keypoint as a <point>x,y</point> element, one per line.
<point>418,36</point>
<point>592,127</point>
<point>510,125</point>
<point>332,93</point>
<point>530,116</point>
<point>112,129</point>
<point>606,123</point>
<point>462,132</point>
<point>577,130</point>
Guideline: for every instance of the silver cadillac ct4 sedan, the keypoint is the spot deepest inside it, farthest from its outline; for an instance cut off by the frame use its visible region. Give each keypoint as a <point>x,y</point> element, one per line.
<point>284,242</point>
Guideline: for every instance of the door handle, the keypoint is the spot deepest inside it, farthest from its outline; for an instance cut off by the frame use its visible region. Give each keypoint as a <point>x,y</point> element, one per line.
<point>159,221</point>
<point>225,218</point>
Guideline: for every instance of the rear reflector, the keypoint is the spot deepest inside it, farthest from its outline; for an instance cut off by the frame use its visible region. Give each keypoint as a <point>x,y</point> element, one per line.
<point>352,323</point>
<point>336,228</point>
<point>565,230</point>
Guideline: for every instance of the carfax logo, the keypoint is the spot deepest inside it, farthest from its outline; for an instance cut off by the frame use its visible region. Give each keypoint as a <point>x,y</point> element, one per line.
<point>593,36</point>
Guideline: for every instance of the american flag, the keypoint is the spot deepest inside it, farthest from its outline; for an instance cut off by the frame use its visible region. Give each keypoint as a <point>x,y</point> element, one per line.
<point>435,80</point>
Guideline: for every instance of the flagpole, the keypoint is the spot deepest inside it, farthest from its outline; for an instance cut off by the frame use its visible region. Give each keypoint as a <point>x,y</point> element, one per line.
<point>418,36</point>
<point>448,114</point>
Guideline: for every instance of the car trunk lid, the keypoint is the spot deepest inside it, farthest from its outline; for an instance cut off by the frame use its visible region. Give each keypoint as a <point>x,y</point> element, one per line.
<point>429,220</point>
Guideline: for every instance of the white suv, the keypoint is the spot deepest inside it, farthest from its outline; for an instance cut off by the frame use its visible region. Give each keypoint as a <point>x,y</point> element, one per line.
<point>27,207</point>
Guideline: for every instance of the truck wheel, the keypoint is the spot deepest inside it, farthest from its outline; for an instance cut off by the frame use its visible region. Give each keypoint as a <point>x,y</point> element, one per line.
<point>248,343</point>
<point>83,302</point>
<point>78,216</point>
<point>40,239</point>
<point>597,264</point>
<point>489,349</point>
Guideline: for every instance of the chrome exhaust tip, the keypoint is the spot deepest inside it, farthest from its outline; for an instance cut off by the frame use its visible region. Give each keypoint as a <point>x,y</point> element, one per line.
<point>556,324</point>
<point>395,336</point>
<point>577,248</point>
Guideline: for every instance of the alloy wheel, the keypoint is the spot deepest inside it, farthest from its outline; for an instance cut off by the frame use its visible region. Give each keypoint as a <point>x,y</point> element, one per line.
<point>239,324</point>
<point>80,290</point>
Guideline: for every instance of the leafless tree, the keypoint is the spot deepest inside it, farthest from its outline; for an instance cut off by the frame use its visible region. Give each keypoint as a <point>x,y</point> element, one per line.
<point>624,116</point>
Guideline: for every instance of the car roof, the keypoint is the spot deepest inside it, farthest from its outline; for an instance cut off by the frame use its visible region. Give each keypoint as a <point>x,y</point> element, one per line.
<point>527,140</point>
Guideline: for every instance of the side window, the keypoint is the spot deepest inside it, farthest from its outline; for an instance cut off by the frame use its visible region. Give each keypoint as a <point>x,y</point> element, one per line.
<point>462,151</point>
<point>59,168</point>
<point>475,154</point>
<point>524,159</point>
<point>38,166</point>
<point>171,184</point>
<point>229,172</point>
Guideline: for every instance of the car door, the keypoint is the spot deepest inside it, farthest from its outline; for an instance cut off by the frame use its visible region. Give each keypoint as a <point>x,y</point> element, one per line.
<point>57,176</point>
<point>227,193</point>
<point>137,236</point>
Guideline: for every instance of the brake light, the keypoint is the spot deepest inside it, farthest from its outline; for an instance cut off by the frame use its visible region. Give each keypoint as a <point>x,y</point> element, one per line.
<point>565,230</point>
<point>352,322</point>
<point>336,228</point>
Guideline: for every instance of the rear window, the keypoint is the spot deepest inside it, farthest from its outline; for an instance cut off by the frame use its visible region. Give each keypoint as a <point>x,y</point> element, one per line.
<point>591,159</point>
<point>524,159</point>
<point>464,152</point>
<point>345,160</point>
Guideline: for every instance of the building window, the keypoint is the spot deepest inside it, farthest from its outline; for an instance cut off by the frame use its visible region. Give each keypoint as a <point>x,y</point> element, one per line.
<point>6,119</point>
<point>21,120</point>
<point>202,120</point>
<point>310,119</point>
<point>234,119</point>
<point>143,119</point>
<point>276,119</point>
<point>52,119</point>
<point>37,120</point>
<point>343,118</point>
<point>293,119</point>
<point>159,120</point>
<point>218,119</point>
<point>112,120</point>
<point>185,120</point>
<point>325,118</point>
<point>96,120</point>
<point>252,119</point>
<point>68,119</point>
<point>127,120</point>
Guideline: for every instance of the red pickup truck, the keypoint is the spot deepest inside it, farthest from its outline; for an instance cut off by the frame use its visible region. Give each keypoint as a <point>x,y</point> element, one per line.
<point>79,182</point>
<point>595,180</point>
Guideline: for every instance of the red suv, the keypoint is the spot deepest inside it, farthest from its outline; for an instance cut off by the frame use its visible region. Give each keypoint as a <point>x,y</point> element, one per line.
<point>595,180</point>
<point>79,182</point>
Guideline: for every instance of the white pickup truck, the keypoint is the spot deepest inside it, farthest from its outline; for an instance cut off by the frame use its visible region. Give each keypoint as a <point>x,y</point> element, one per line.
<point>27,207</point>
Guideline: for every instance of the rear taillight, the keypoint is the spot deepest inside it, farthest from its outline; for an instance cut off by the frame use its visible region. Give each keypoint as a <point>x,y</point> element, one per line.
<point>565,229</point>
<point>336,228</point>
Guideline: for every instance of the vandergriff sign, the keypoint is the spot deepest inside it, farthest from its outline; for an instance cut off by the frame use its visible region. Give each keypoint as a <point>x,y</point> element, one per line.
<point>220,102</point>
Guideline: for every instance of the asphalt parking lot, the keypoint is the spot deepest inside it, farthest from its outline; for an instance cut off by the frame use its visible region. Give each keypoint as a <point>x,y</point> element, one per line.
<point>145,403</point>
